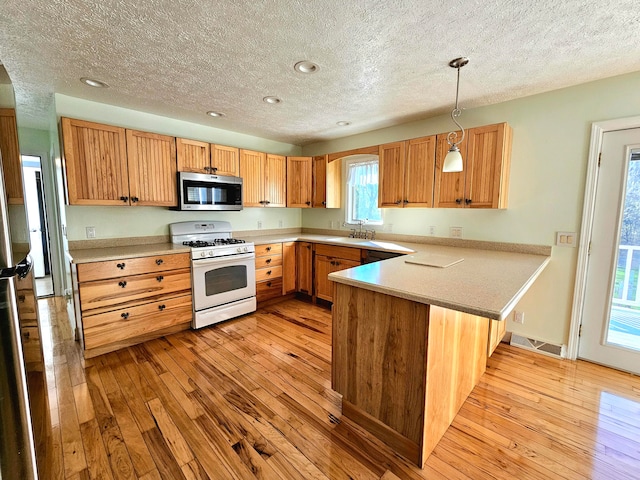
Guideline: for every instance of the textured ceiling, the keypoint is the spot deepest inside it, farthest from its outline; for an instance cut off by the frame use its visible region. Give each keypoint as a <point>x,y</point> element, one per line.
<point>381,62</point>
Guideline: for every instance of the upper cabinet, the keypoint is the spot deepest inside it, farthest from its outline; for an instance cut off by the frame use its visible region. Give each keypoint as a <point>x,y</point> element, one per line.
<point>484,181</point>
<point>10,151</point>
<point>264,179</point>
<point>326,182</point>
<point>107,165</point>
<point>193,156</point>
<point>299,182</point>
<point>152,169</point>
<point>406,173</point>
<point>202,157</point>
<point>95,162</point>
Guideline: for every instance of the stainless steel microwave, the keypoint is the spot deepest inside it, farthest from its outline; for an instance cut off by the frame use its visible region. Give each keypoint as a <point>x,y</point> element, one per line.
<point>201,191</point>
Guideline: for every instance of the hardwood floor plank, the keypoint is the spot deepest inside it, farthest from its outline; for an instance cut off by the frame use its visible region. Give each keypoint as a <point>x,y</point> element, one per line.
<point>250,398</point>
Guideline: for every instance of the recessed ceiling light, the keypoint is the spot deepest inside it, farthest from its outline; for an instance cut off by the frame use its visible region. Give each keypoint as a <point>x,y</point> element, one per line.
<point>93,83</point>
<point>306,67</point>
<point>343,123</point>
<point>271,100</point>
<point>215,114</point>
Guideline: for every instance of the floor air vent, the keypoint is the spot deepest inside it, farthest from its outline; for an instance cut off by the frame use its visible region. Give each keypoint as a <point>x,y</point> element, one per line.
<point>537,346</point>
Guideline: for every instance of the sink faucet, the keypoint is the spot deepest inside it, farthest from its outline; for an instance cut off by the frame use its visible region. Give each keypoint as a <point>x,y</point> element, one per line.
<point>360,233</point>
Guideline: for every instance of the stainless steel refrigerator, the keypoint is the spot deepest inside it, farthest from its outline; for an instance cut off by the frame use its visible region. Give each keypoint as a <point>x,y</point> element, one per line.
<point>17,444</point>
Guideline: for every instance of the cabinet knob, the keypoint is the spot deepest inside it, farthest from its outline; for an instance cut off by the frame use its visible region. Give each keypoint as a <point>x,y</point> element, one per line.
<point>125,315</point>
<point>269,272</point>
<point>124,199</point>
<point>458,201</point>
<point>21,298</point>
<point>324,203</point>
<point>398,202</point>
<point>406,201</point>
<point>26,335</point>
<point>262,202</point>
<point>307,203</point>
<point>215,169</point>
<point>207,169</point>
<point>268,249</point>
<point>267,202</point>
<point>120,266</point>
<point>135,199</point>
<point>122,284</point>
<point>268,284</point>
<point>162,307</point>
<point>268,260</point>
<point>159,278</point>
<point>467,201</point>
<point>159,261</point>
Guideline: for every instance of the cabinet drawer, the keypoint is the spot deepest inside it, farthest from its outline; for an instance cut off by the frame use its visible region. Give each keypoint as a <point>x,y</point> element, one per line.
<point>268,261</point>
<point>269,289</point>
<point>348,253</point>
<point>268,273</point>
<point>132,322</point>
<point>27,307</point>
<point>131,266</point>
<point>109,294</point>
<point>268,249</point>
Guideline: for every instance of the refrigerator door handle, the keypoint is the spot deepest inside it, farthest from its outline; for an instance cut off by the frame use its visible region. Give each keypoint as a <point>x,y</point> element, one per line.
<point>21,270</point>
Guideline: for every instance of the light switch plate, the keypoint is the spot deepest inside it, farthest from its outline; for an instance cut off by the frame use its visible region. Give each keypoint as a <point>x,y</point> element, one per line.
<point>91,232</point>
<point>566,239</point>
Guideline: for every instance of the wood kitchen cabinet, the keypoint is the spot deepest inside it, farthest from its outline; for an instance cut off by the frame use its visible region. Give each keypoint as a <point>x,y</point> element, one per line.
<point>329,259</point>
<point>484,181</point>
<point>289,267</point>
<point>326,182</point>
<point>264,179</point>
<point>151,162</point>
<point>128,301</point>
<point>304,266</point>
<point>299,182</point>
<point>202,157</point>
<point>407,173</point>
<point>268,272</point>
<point>10,150</point>
<point>108,165</point>
<point>497,331</point>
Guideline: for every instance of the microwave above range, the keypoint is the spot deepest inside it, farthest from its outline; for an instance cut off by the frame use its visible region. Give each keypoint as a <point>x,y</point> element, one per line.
<point>201,191</point>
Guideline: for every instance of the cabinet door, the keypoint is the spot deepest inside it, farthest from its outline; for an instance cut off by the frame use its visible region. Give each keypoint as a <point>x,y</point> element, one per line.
<point>419,172</point>
<point>10,150</point>
<point>288,267</point>
<point>96,163</point>
<point>497,331</point>
<point>449,187</point>
<point>324,266</point>
<point>152,169</point>
<point>252,173</point>
<point>391,180</point>
<point>193,156</point>
<point>319,182</point>
<point>299,182</point>
<point>487,170</point>
<point>225,160</point>
<point>275,188</point>
<point>304,267</point>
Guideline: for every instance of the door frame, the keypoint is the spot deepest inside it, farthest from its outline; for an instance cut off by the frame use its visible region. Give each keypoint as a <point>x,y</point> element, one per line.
<point>598,129</point>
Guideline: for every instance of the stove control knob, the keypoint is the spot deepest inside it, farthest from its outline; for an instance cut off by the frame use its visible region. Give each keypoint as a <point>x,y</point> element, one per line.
<point>210,253</point>
<point>202,254</point>
<point>246,249</point>
<point>239,250</point>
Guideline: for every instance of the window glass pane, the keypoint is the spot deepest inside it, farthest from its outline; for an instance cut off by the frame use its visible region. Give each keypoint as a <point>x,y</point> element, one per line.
<point>362,192</point>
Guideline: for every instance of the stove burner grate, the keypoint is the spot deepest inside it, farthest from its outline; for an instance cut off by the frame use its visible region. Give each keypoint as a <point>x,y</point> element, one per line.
<point>213,243</point>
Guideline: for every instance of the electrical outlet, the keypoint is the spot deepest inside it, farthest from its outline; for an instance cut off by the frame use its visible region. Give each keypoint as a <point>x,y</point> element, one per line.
<point>518,317</point>
<point>259,224</point>
<point>566,239</point>
<point>91,232</point>
<point>455,232</point>
<point>280,223</point>
<point>432,230</point>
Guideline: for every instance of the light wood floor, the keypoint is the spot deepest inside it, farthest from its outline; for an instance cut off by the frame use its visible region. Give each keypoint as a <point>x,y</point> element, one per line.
<point>251,398</point>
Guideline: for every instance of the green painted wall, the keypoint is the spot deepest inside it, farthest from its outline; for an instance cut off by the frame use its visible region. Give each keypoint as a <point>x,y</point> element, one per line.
<point>551,134</point>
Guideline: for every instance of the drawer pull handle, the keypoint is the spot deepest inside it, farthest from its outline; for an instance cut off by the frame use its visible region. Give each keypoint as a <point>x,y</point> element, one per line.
<point>21,298</point>
<point>269,272</point>
<point>120,266</point>
<point>26,335</point>
<point>159,278</point>
<point>161,307</point>
<point>268,260</point>
<point>268,284</point>
<point>125,315</point>
<point>159,261</point>
<point>122,284</point>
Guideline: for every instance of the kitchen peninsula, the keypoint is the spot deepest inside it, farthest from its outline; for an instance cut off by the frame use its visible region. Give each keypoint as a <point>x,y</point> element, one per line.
<point>410,340</point>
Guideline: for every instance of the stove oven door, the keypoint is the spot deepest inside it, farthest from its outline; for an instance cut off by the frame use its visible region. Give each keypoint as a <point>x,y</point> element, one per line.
<point>219,281</point>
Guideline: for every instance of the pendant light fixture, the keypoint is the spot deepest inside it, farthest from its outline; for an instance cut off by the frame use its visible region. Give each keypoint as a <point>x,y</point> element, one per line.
<point>453,160</point>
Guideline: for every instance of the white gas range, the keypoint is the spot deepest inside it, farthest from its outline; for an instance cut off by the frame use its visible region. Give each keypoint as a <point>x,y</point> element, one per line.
<point>223,275</point>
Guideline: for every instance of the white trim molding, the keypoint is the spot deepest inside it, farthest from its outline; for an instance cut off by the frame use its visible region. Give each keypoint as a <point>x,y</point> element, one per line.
<point>598,130</point>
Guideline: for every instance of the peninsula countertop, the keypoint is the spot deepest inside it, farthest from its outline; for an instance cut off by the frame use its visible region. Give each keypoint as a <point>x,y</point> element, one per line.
<point>487,283</point>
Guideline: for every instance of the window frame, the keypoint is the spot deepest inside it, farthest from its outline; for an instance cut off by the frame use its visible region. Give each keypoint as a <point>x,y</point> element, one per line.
<point>349,193</point>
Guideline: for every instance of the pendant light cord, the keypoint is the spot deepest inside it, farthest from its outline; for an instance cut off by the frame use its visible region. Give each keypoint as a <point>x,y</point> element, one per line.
<point>455,113</point>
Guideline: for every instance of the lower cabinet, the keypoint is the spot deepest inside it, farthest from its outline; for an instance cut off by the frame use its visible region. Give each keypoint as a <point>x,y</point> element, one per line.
<point>304,268</point>
<point>497,331</point>
<point>331,259</point>
<point>119,306</point>
<point>268,272</point>
<point>289,267</point>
